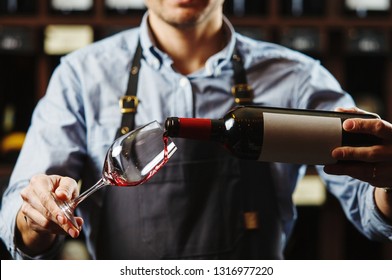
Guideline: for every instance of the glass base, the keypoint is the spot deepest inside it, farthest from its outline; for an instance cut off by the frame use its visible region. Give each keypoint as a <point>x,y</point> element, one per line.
<point>67,210</point>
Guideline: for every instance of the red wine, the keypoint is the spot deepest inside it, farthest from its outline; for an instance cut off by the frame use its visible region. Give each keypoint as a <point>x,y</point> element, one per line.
<point>275,134</point>
<point>131,160</point>
<point>115,174</point>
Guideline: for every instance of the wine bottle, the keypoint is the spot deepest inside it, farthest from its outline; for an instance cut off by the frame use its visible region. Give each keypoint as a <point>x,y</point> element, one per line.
<point>243,8</point>
<point>18,40</point>
<point>366,8</point>
<point>275,134</point>
<point>71,6</point>
<point>307,40</point>
<point>11,139</point>
<point>18,7</point>
<point>367,41</point>
<point>300,8</point>
<point>62,39</point>
<point>134,7</point>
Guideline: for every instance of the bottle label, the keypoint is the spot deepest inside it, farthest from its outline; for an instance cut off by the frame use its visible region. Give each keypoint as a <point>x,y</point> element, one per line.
<point>72,5</point>
<point>300,139</point>
<point>125,4</point>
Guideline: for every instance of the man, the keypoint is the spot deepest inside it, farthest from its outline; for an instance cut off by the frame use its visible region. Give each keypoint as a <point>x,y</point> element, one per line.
<point>203,203</point>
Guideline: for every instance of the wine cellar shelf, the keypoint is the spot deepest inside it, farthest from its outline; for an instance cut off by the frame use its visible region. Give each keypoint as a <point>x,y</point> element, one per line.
<point>355,48</point>
<point>335,38</point>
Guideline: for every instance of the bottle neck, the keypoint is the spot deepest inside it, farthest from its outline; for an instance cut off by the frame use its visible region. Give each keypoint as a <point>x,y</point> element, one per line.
<point>195,128</point>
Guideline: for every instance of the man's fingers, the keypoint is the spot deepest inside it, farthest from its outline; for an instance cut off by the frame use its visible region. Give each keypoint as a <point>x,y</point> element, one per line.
<point>365,154</point>
<point>68,227</point>
<point>377,127</point>
<point>355,110</point>
<point>65,188</point>
<point>374,173</point>
<point>44,195</point>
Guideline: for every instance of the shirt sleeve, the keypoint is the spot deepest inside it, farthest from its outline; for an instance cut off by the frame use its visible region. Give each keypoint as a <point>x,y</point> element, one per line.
<point>358,203</point>
<point>9,209</point>
<point>54,144</point>
<point>318,89</point>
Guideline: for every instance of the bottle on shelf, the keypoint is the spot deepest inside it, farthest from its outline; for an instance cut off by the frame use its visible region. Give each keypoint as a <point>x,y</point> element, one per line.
<point>11,139</point>
<point>18,7</point>
<point>18,46</point>
<point>134,7</point>
<point>366,8</point>
<point>275,134</point>
<point>302,8</point>
<point>17,40</point>
<point>74,7</point>
<point>62,39</point>
<point>367,41</point>
<point>242,8</point>
<point>303,39</point>
<point>367,48</point>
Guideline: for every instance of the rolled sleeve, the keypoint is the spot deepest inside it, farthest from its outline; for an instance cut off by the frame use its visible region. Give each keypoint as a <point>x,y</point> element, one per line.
<point>378,226</point>
<point>11,204</point>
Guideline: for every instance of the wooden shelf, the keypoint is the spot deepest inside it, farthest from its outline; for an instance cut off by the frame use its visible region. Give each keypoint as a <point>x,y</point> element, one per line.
<point>272,23</point>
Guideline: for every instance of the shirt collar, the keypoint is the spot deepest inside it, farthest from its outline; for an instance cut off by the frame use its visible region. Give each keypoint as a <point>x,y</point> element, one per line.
<point>157,58</point>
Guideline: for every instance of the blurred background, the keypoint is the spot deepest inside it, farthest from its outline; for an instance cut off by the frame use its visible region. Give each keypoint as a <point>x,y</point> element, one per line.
<point>351,38</point>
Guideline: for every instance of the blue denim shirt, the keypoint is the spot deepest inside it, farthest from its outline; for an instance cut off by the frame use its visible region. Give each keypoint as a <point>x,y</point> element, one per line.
<point>75,122</point>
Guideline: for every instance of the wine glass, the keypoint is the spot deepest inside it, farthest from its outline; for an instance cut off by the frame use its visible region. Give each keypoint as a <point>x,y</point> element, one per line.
<point>131,160</point>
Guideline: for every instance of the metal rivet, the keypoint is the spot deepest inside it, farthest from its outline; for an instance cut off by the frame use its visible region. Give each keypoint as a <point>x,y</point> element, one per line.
<point>124,130</point>
<point>134,70</point>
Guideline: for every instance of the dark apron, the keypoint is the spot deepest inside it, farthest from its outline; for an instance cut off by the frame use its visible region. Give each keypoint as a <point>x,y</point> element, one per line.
<point>204,204</point>
<point>200,205</point>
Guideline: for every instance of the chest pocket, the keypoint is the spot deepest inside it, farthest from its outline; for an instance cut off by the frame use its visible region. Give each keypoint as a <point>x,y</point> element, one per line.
<point>192,208</point>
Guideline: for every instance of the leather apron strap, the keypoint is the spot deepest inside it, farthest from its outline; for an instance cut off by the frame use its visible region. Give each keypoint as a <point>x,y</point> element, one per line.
<point>129,102</point>
<point>242,92</point>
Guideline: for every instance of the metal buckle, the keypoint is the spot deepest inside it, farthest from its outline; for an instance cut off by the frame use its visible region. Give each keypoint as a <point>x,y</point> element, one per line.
<point>243,93</point>
<point>128,104</point>
<point>251,220</point>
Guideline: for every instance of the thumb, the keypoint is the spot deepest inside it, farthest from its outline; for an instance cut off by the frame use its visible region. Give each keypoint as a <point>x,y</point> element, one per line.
<point>65,188</point>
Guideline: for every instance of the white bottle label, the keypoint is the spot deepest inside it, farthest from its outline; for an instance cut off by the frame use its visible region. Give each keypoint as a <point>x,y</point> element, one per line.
<point>72,5</point>
<point>300,139</point>
<point>125,4</point>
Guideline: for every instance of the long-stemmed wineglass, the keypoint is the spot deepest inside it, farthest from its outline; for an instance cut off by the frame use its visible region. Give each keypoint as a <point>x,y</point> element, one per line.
<point>131,160</point>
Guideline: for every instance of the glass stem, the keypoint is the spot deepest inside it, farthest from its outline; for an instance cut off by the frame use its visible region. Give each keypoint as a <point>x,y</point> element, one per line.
<point>101,183</point>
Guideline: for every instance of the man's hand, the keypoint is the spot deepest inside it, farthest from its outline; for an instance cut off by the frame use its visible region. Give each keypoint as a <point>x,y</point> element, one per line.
<point>39,219</point>
<point>370,164</point>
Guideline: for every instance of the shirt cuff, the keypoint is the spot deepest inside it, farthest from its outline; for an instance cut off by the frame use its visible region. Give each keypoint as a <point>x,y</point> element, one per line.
<point>51,253</point>
<point>379,226</point>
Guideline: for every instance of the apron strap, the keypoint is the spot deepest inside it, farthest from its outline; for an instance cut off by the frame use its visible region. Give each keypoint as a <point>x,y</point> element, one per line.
<point>242,92</point>
<point>129,102</point>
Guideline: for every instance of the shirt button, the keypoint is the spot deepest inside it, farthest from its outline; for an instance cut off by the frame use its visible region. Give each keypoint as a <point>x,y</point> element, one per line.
<point>183,82</point>
<point>156,63</point>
